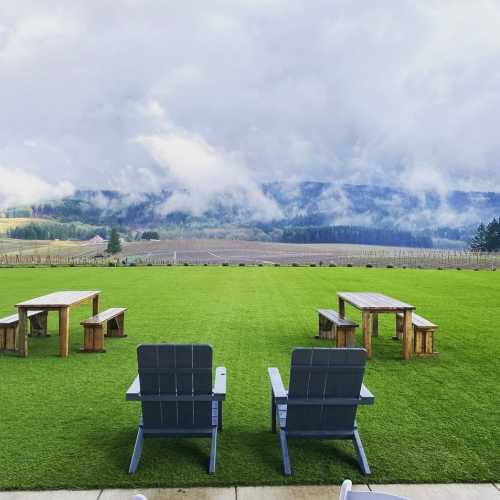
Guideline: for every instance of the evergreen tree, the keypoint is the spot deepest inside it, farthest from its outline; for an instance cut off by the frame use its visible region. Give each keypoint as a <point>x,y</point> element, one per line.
<point>493,235</point>
<point>150,235</point>
<point>114,245</point>
<point>478,243</point>
<point>487,238</point>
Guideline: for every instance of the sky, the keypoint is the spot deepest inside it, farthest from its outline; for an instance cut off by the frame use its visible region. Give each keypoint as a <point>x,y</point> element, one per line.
<point>212,99</point>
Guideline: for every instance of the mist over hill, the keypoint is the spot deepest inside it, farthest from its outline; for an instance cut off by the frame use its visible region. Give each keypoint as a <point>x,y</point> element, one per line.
<point>447,218</point>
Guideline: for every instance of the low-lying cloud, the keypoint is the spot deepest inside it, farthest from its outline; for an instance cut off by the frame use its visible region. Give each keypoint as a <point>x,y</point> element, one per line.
<point>19,188</point>
<point>201,176</point>
<point>214,98</point>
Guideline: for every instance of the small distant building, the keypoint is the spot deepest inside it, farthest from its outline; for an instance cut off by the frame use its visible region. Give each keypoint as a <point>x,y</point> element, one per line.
<point>94,241</point>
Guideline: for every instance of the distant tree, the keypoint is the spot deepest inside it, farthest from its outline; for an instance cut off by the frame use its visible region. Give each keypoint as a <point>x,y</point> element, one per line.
<point>355,234</point>
<point>114,245</point>
<point>487,238</point>
<point>493,235</point>
<point>55,230</point>
<point>150,235</point>
<point>478,243</point>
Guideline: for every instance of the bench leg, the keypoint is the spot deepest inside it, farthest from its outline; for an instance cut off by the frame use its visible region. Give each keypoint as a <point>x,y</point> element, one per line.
<point>115,327</point>
<point>399,328</point>
<point>3,337</point>
<point>120,320</point>
<point>332,331</point>
<point>38,325</point>
<point>429,342</point>
<point>98,339</point>
<point>418,338</point>
<point>93,340</point>
<point>10,339</point>
<point>88,338</point>
<point>423,342</point>
<point>341,341</point>
<point>7,338</point>
<point>325,328</point>
<point>345,337</point>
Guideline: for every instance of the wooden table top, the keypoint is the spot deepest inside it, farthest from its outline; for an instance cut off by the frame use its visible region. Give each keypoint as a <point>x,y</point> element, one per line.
<point>60,299</point>
<point>374,301</point>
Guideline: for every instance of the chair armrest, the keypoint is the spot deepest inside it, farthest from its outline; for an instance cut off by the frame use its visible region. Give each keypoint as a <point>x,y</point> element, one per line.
<point>365,396</point>
<point>134,391</point>
<point>279,391</point>
<point>219,389</point>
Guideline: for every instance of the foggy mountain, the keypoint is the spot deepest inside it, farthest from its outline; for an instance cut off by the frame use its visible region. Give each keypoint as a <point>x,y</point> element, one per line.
<point>452,215</point>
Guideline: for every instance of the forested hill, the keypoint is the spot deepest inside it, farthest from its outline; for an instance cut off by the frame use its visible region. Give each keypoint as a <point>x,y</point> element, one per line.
<point>307,205</point>
<point>357,235</point>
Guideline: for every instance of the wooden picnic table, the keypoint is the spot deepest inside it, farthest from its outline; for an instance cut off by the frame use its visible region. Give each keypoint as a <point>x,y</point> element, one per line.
<point>57,301</point>
<point>371,304</point>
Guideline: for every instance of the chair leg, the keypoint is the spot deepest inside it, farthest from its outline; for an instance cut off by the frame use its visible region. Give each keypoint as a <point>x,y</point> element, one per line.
<point>136,456</point>
<point>213,452</point>
<point>362,460</point>
<point>287,469</point>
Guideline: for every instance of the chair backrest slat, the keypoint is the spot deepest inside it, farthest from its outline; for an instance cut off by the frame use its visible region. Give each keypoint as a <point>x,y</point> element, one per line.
<point>322,373</point>
<point>177,370</point>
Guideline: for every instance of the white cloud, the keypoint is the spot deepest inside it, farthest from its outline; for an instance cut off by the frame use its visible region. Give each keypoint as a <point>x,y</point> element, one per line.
<point>396,93</point>
<point>21,188</point>
<point>204,175</point>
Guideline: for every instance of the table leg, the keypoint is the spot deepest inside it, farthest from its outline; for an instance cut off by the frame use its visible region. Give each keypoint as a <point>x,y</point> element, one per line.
<point>367,339</point>
<point>23,332</point>
<point>341,308</point>
<point>95,305</point>
<point>407,335</point>
<point>374,325</point>
<point>63,332</point>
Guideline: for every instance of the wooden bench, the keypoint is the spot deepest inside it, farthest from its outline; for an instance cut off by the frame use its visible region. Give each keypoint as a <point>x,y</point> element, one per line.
<point>333,327</point>
<point>423,334</point>
<point>8,327</point>
<point>111,320</point>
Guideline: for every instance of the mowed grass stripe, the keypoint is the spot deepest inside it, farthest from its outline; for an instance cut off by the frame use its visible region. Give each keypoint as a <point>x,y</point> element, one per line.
<point>64,423</point>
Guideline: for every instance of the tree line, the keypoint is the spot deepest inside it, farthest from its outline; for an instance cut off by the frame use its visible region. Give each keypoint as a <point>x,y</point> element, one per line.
<point>55,231</point>
<point>357,235</point>
<point>487,237</point>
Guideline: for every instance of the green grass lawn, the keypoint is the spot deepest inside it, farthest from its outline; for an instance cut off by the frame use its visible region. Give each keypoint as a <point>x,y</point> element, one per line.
<point>64,423</point>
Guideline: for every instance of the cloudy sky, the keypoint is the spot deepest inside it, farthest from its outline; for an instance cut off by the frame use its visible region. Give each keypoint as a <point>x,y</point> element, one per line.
<point>217,97</point>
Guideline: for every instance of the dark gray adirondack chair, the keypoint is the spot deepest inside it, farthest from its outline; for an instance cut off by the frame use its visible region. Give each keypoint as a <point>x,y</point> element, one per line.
<point>174,387</point>
<point>326,387</point>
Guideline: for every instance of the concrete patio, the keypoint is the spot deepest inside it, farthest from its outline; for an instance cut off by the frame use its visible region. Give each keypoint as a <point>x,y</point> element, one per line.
<point>482,491</point>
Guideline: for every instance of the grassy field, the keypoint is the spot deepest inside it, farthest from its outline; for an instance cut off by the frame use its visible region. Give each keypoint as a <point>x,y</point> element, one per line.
<point>7,223</point>
<point>64,423</point>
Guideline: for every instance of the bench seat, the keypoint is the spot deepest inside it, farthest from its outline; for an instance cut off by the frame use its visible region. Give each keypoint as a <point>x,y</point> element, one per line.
<point>110,321</point>
<point>335,318</point>
<point>9,324</point>
<point>423,334</point>
<point>104,316</point>
<point>333,327</point>
<point>13,319</point>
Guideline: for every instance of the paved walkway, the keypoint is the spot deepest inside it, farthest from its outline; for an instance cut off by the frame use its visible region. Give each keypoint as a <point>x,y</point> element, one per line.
<point>484,491</point>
